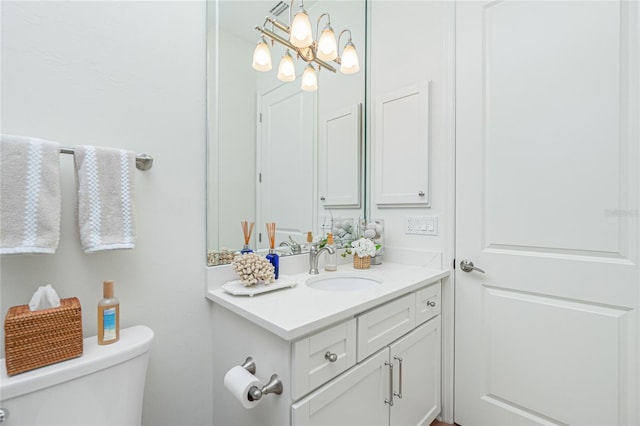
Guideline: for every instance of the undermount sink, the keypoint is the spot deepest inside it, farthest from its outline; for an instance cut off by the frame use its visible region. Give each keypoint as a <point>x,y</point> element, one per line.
<point>343,281</point>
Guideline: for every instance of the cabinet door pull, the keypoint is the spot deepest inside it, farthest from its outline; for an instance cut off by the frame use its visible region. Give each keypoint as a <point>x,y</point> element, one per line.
<point>399,394</point>
<point>390,400</point>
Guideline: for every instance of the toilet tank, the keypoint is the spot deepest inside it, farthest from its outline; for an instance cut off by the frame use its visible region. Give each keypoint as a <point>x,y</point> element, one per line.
<point>104,386</point>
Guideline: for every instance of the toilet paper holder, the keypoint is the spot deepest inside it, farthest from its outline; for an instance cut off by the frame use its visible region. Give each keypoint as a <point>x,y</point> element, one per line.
<point>250,365</point>
<point>273,386</point>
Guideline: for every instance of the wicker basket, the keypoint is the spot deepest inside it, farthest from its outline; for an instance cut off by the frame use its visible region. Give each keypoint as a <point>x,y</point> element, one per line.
<point>361,262</point>
<point>39,338</point>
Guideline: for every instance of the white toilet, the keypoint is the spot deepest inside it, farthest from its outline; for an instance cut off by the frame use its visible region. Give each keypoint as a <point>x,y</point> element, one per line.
<point>102,387</point>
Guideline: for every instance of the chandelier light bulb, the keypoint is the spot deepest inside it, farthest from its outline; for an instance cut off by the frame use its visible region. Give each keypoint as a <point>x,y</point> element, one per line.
<point>301,29</point>
<point>327,46</point>
<point>309,79</point>
<point>286,69</point>
<point>349,62</point>
<point>261,56</point>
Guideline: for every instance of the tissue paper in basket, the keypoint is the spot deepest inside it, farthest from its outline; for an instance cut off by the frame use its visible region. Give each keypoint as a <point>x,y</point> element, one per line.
<point>34,339</point>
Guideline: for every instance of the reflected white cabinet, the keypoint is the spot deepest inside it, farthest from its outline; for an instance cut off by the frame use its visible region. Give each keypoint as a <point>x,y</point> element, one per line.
<point>399,385</point>
<point>340,154</point>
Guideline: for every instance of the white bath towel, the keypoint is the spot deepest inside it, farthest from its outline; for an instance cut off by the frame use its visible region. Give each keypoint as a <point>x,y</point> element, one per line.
<point>105,181</point>
<point>30,199</point>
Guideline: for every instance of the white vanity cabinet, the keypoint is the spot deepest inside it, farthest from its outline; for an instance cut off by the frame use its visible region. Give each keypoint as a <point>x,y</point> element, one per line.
<point>377,364</point>
<point>397,385</point>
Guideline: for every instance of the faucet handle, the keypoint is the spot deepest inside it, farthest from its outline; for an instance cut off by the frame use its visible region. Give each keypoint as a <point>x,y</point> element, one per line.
<point>296,248</point>
<point>293,241</point>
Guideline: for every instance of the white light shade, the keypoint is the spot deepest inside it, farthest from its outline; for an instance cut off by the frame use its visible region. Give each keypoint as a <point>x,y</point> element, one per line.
<point>286,69</point>
<point>261,56</point>
<point>349,60</point>
<point>309,79</point>
<point>301,29</point>
<point>327,46</point>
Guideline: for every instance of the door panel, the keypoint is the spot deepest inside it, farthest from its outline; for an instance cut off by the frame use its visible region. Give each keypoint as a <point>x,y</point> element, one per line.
<point>539,343</point>
<point>546,203</point>
<point>285,163</point>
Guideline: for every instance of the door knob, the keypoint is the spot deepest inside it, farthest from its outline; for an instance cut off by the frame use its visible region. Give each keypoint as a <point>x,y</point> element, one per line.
<point>467,266</point>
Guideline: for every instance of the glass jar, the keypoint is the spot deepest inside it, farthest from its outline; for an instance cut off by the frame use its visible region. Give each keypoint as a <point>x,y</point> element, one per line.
<point>373,229</point>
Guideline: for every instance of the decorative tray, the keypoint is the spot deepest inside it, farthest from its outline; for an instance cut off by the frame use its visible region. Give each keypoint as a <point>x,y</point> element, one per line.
<point>236,287</point>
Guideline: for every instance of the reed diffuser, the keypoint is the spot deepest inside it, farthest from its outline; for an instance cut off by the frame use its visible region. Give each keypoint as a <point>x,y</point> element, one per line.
<point>273,256</point>
<point>247,229</point>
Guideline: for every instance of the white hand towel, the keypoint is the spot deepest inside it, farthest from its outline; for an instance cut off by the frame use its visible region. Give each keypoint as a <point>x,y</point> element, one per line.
<point>30,199</point>
<point>104,177</point>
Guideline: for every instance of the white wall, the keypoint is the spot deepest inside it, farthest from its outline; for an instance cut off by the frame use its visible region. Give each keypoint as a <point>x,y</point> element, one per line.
<point>410,42</point>
<point>128,75</point>
<point>401,58</point>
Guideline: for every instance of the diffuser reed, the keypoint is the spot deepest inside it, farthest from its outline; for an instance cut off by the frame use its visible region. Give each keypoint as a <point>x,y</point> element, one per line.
<point>271,232</point>
<point>273,256</point>
<point>247,229</point>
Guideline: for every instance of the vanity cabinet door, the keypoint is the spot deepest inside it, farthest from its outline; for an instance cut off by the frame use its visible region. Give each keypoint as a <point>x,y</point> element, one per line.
<point>354,398</point>
<point>416,365</point>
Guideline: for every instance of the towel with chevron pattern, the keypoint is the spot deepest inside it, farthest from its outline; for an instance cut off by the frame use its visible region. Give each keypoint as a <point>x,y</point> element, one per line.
<point>104,177</point>
<point>30,200</point>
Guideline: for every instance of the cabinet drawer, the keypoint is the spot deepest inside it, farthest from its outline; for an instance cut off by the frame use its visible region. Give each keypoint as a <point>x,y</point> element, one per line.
<point>311,363</point>
<point>384,324</point>
<point>428,303</point>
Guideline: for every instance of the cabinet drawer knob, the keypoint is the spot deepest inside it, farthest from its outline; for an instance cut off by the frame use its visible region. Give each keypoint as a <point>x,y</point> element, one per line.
<point>331,357</point>
<point>431,303</point>
<point>421,194</point>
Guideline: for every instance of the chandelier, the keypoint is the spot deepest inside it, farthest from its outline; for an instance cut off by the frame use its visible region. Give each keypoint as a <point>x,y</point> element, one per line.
<point>298,38</point>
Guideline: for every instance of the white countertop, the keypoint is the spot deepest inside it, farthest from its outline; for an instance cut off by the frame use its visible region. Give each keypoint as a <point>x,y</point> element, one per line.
<point>291,313</point>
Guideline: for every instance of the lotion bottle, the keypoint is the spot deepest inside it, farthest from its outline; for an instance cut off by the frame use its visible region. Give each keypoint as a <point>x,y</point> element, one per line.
<point>331,259</point>
<point>108,316</point>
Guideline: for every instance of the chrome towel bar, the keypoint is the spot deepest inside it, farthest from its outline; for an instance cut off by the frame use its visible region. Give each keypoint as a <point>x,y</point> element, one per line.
<point>143,161</point>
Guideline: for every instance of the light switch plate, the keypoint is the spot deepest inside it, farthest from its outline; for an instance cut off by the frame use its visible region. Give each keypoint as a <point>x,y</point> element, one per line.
<point>422,225</point>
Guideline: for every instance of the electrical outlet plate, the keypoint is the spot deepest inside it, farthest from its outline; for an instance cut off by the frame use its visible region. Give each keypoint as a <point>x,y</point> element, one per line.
<point>422,225</point>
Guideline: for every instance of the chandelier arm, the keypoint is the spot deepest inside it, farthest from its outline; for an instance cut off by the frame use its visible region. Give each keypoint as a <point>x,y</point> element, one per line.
<point>275,37</point>
<point>346,30</point>
<point>290,14</point>
<point>278,24</point>
<point>338,60</point>
<point>318,23</point>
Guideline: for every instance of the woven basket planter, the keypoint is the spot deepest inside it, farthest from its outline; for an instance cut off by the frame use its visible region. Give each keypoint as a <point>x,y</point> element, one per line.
<point>39,338</point>
<point>361,262</point>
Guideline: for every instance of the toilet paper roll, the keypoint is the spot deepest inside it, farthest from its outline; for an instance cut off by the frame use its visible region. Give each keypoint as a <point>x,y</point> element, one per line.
<point>238,381</point>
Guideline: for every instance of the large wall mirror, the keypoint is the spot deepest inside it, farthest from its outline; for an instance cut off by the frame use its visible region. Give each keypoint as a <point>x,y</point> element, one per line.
<point>277,153</point>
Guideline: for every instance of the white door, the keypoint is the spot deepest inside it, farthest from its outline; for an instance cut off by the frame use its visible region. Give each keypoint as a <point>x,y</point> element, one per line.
<point>355,398</point>
<point>416,359</point>
<point>547,192</point>
<point>286,169</point>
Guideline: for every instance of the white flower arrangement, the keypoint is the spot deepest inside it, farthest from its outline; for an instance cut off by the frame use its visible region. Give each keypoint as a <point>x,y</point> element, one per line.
<point>251,268</point>
<point>363,247</point>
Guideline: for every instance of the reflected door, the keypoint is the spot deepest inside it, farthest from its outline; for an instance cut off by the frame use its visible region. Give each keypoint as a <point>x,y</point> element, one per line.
<point>286,142</point>
<point>547,205</point>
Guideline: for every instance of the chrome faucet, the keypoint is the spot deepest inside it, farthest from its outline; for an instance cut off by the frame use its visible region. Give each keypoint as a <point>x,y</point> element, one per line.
<point>314,253</point>
<point>293,245</point>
